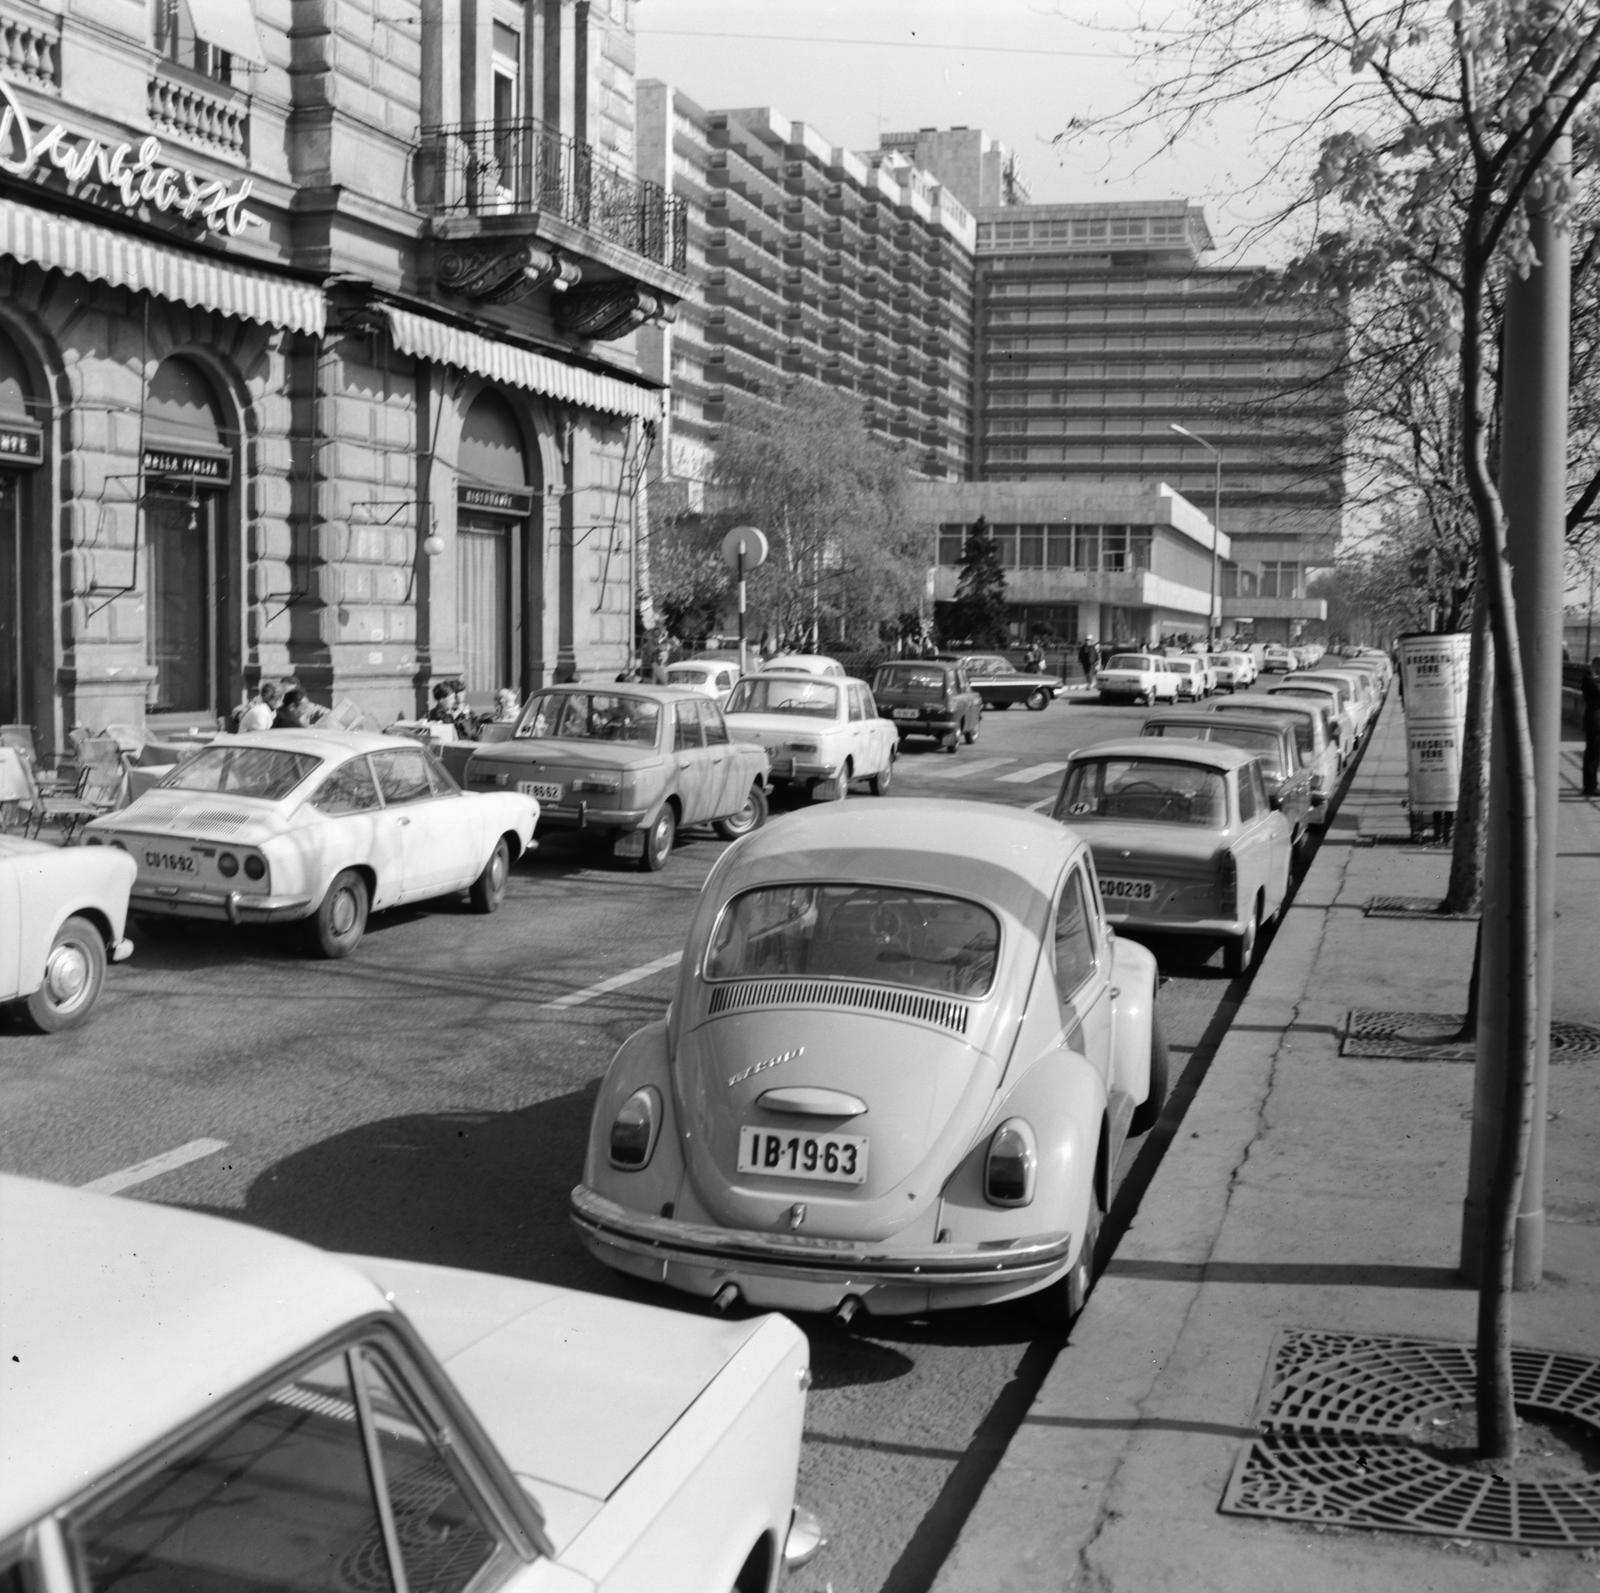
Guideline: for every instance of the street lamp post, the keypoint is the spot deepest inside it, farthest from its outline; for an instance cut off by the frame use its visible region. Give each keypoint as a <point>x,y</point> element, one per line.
<point>1212,624</point>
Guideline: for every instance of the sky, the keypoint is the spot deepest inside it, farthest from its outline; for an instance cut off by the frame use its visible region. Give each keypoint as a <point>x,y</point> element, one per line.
<point>1018,69</point>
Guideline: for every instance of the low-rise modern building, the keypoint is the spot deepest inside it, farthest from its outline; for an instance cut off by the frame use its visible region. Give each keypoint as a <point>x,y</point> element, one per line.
<point>317,351</point>
<point>1084,560</point>
<point>814,264</point>
<point>1100,330</point>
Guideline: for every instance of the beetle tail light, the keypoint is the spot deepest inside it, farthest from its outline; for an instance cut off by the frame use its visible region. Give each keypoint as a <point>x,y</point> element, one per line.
<point>634,1130</point>
<point>1008,1170</point>
<point>1228,885</point>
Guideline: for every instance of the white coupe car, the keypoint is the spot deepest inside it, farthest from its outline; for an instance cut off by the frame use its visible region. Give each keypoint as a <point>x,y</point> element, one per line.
<point>62,915</point>
<point>820,734</point>
<point>321,825</point>
<point>195,1404</point>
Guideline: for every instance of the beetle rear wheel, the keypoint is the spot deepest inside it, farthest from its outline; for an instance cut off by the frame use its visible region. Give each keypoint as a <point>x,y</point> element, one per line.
<point>1058,1306</point>
<point>1149,1109</point>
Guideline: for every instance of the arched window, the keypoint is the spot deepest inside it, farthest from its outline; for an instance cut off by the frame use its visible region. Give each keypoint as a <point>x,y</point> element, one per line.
<point>191,578</point>
<point>494,498</point>
<point>20,598</point>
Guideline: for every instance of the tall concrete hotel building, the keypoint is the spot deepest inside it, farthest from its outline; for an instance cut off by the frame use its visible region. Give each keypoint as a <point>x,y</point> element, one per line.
<point>1031,358</point>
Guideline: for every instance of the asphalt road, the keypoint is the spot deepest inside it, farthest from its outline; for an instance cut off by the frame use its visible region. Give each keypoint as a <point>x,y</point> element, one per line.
<point>423,1099</point>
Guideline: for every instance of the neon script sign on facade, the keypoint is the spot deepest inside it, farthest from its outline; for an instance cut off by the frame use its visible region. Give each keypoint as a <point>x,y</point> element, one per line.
<point>133,180</point>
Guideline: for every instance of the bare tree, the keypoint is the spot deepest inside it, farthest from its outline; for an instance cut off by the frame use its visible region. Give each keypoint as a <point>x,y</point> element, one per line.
<point>1438,124</point>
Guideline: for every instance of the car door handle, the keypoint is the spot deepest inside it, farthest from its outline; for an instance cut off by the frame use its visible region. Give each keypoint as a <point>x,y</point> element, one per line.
<point>405,821</point>
<point>685,763</point>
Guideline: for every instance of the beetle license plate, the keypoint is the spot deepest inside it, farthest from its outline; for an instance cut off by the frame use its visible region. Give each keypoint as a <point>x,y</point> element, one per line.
<point>833,1158</point>
<point>540,789</point>
<point>1126,890</point>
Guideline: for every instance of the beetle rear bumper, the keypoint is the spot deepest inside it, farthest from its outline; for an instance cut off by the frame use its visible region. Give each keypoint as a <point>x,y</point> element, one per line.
<point>783,1271</point>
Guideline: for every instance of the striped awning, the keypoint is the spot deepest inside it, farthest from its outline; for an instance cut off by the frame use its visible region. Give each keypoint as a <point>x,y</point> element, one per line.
<point>81,249</point>
<point>427,339</point>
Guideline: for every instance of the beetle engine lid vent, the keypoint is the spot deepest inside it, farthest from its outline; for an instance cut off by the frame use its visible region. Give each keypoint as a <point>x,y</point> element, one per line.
<point>945,1014</point>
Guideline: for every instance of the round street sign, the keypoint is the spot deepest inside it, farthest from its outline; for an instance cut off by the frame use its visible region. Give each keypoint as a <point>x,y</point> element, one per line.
<point>755,547</point>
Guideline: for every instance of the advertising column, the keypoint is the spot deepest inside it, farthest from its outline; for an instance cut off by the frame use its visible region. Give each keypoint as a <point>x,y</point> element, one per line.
<point>1433,675</point>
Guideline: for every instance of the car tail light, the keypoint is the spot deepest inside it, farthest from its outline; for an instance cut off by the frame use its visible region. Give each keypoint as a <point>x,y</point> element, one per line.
<point>598,783</point>
<point>633,1132</point>
<point>227,865</point>
<point>1228,885</point>
<point>256,867</point>
<point>1010,1165</point>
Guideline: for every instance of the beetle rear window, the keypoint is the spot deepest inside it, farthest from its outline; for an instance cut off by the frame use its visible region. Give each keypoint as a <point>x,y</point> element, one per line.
<point>886,934</point>
<point>1144,789</point>
<point>243,771</point>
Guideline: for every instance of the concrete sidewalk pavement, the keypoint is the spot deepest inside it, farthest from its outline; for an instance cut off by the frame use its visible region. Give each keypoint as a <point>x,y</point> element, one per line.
<point>1301,1189</point>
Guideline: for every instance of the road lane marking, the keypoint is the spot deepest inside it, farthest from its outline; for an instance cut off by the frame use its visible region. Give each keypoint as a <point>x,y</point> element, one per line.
<point>1039,806</point>
<point>168,1161</point>
<point>615,982</point>
<point>963,771</point>
<point>1034,771</point>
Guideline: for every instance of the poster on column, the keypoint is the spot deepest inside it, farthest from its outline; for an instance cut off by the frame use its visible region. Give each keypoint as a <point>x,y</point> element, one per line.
<point>1433,672</point>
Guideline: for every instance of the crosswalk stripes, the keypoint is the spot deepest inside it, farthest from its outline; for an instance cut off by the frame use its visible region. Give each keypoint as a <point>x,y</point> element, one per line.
<point>1034,771</point>
<point>965,771</point>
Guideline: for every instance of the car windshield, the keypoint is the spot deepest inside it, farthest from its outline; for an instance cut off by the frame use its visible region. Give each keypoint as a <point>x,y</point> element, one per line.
<point>987,666</point>
<point>1144,789</point>
<point>1130,661</point>
<point>885,933</point>
<point>591,716</point>
<point>262,772</point>
<point>1305,736</point>
<point>810,699</point>
<point>909,677</point>
<point>1182,665</point>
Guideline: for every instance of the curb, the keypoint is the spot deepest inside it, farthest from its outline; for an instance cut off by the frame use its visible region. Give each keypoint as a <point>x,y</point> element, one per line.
<point>1049,1497</point>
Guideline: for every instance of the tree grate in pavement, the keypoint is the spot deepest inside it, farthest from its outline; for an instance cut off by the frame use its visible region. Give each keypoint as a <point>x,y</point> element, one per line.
<point>1342,1416</point>
<point>1413,907</point>
<point>1432,1037</point>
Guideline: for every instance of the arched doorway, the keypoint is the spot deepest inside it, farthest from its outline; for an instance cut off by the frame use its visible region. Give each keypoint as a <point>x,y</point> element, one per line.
<point>497,606</point>
<point>191,582</point>
<point>21,449</point>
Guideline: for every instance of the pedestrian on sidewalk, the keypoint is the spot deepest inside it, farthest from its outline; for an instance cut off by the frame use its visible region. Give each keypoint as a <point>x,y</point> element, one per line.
<point>1088,658</point>
<point>1591,729</point>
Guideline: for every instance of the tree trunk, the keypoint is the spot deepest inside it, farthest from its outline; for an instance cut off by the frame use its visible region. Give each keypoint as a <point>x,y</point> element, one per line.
<point>1496,1408</point>
<point>1464,893</point>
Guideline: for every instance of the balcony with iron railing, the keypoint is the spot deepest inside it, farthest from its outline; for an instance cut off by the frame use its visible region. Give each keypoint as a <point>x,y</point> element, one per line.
<point>502,173</point>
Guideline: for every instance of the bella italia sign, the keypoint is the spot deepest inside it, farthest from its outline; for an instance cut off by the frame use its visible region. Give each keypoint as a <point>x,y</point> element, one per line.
<point>116,172</point>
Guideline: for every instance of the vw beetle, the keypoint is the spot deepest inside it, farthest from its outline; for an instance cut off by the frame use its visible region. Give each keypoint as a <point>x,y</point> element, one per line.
<point>903,1054</point>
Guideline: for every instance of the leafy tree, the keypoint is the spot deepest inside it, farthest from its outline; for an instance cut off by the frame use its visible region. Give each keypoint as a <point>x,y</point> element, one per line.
<point>688,580</point>
<point>979,613</point>
<point>847,550</point>
<point>1442,121</point>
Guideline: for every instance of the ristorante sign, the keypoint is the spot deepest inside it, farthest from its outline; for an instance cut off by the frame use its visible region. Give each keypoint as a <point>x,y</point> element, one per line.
<point>117,173</point>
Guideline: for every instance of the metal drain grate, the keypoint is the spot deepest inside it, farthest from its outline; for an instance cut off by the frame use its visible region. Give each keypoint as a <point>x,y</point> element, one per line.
<point>1431,1037</point>
<point>1414,907</point>
<point>1341,1413</point>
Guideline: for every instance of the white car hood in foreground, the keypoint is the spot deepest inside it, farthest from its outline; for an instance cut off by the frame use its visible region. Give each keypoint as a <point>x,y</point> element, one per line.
<point>574,1389</point>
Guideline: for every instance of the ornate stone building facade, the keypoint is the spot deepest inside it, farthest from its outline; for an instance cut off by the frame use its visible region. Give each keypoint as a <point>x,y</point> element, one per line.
<point>317,350</point>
